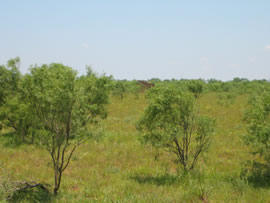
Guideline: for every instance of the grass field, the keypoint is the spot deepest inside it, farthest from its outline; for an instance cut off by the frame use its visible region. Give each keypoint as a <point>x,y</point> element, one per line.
<point>118,168</point>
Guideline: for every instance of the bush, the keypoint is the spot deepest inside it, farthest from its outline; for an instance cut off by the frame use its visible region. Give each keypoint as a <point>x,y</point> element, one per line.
<point>171,121</point>
<point>257,119</point>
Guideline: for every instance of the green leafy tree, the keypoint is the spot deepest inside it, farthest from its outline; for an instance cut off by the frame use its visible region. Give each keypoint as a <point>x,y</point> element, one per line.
<point>67,107</point>
<point>17,115</point>
<point>257,119</point>
<point>119,89</point>
<point>14,112</point>
<point>196,87</point>
<point>135,88</point>
<point>171,122</point>
<point>9,79</point>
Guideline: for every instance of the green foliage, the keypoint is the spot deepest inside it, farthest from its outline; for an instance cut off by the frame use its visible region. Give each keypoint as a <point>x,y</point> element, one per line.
<point>257,119</point>
<point>118,167</point>
<point>9,79</point>
<point>226,98</point>
<point>65,106</point>
<point>171,121</point>
<point>119,89</point>
<point>135,88</point>
<point>14,111</point>
<point>17,115</point>
<point>196,87</point>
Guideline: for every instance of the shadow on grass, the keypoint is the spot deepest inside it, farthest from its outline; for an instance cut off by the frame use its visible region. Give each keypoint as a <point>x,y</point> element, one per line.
<point>257,174</point>
<point>10,140</point>
<point>31,195</point>
<point>165,179</point>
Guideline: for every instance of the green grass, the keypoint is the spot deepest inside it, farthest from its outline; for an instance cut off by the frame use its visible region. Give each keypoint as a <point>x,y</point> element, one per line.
<point>118,168</point>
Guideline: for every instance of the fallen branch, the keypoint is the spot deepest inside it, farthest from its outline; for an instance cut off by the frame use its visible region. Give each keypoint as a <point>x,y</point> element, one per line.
<point>19,186</point>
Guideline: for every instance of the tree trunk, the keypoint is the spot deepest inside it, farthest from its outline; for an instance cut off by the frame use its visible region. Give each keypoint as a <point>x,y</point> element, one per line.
<point>57,181</point>
<point>56,184</point>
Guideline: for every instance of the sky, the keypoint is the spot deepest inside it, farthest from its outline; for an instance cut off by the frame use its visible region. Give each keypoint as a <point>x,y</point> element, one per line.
<point>141,39</point>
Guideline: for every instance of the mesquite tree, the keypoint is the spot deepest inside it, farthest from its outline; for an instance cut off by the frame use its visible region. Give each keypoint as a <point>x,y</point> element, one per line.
<point>67,107</point>
<point>257,119</point>
<point>14,112</point>
<point>171,121</point>
<point>196,87</point>
<point>9,79</point>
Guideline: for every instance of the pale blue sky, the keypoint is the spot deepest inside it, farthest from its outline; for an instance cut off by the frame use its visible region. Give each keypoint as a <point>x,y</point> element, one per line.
<point>141,39</point>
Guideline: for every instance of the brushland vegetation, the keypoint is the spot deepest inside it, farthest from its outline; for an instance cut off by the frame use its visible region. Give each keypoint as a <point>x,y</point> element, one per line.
<point>124,158</point>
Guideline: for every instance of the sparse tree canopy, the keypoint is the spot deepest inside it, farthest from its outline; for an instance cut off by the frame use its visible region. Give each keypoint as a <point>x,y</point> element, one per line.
<point>119,89</point>
<point>171,121</point>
